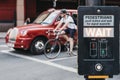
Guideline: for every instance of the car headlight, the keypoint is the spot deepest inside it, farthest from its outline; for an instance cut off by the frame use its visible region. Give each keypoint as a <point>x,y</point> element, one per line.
<point>13,34</point>
<point>24,32</point>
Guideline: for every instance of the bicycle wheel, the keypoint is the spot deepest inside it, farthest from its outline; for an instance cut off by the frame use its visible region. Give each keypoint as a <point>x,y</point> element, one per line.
<point>52,48</point>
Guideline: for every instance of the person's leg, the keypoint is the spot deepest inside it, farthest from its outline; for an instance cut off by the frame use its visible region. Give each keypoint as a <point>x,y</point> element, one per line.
<point>66,37</point>
<point>64,33</point>
<point>71,44</point>
<point>71,39</point>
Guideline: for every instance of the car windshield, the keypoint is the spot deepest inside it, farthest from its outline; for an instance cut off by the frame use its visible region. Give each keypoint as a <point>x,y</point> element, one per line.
<point>41,17</point>
<point>46,18</point>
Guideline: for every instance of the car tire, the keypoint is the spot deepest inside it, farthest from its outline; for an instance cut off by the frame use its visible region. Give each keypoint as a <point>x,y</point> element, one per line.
<point>37,46</point>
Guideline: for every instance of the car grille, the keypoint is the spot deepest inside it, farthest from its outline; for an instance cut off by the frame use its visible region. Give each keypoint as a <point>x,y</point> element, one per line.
<point>13,35</point>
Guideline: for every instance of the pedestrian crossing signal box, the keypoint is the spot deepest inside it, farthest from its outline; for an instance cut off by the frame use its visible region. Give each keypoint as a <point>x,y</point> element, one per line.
<point>98,34</point>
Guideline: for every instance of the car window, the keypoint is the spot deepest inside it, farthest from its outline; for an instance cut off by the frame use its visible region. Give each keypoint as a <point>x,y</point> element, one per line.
<point>49,19</point>
<point>41,17</point>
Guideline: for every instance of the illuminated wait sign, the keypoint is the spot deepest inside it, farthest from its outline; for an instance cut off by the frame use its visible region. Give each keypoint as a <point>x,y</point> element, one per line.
<point>98,32</point>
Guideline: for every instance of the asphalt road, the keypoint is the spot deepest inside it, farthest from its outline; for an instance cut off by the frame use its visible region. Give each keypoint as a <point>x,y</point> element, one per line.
<point>24,66</point>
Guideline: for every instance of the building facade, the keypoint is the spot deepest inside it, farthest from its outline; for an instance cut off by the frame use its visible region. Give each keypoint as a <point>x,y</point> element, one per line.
<point>16,11</point>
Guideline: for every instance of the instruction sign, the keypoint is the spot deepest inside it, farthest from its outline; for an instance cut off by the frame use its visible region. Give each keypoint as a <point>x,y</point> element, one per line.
<point>98,20</point>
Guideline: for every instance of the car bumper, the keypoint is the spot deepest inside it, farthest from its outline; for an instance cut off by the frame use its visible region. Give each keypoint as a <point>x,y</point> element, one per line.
<point>23,43</point>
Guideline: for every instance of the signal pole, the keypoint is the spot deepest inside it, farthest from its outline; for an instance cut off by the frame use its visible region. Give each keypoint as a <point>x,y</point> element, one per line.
<point>91,2</point>
<point>94,2</point>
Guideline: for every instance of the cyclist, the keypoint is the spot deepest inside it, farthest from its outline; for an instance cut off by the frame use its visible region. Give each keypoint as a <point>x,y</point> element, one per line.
<point>68,27</point>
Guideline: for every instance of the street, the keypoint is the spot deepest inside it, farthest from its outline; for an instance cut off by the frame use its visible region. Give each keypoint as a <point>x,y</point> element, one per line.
<point>21,65</point>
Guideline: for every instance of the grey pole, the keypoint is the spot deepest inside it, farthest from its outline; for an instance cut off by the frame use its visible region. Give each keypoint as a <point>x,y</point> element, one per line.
<point>94,2</point>
<point>81,2</point>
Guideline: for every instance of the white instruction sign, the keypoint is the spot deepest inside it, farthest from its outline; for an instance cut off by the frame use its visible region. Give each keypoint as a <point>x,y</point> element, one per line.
<point>98,32</point>
<point>98,20</point>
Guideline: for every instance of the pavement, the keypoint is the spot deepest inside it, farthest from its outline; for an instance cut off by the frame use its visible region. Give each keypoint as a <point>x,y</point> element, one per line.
<point>2,35</point>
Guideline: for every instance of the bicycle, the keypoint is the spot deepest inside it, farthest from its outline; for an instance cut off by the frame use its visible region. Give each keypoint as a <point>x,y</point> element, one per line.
<point>53,46</point>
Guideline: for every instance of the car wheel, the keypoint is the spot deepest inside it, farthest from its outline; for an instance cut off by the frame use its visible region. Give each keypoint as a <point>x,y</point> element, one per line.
<point>37,46</point>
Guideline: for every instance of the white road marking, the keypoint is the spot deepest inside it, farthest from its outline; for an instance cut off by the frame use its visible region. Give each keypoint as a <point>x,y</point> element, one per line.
<point>58,59</point>
<point>42,61</point>
<point>3,45</point>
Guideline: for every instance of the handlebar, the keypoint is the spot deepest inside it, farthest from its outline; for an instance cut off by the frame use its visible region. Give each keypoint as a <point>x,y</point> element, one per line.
<point>56,32</point>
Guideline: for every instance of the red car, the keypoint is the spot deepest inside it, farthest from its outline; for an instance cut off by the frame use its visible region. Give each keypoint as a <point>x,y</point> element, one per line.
<point>33,36</point>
